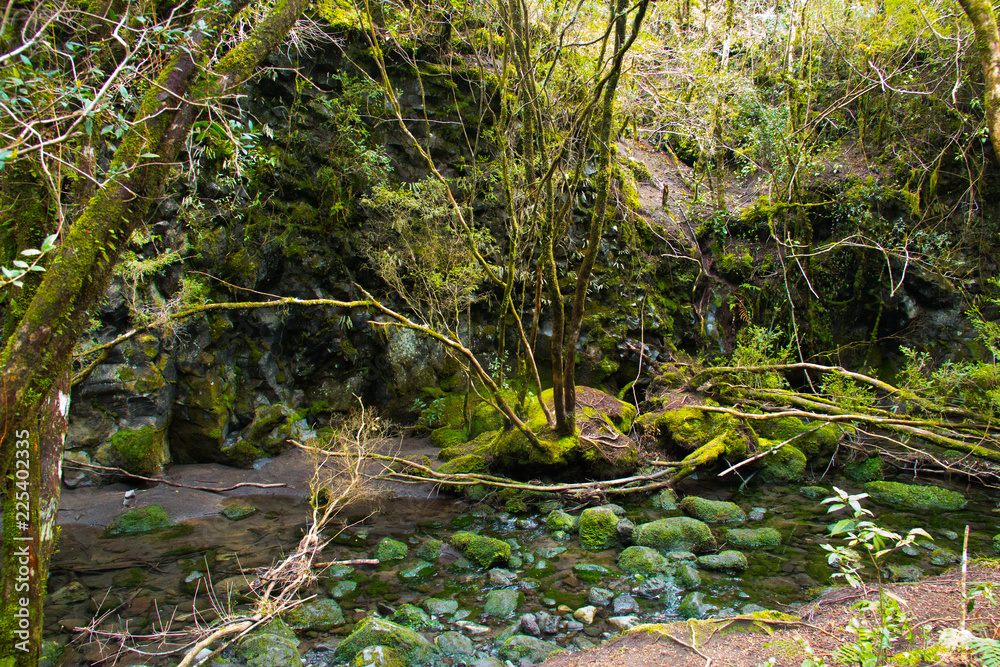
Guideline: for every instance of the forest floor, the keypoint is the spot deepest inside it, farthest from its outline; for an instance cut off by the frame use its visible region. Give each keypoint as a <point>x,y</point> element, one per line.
<point>931,605</point>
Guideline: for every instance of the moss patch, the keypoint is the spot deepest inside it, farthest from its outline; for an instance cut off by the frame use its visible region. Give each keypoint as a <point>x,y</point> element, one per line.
<point>140,520</point>
<point>140,450</point>
<point>912,496</point>
<point>486,551</point>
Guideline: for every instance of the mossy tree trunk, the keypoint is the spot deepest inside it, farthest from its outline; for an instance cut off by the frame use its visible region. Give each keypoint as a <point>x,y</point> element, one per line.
<point>36,355</point>
<point>984,23</point>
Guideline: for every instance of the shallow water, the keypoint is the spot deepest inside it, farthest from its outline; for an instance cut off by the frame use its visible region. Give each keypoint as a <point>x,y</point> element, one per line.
<point>777,578</point>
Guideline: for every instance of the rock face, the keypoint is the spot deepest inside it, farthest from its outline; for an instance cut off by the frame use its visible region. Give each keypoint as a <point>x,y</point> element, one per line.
<point>675,534</point>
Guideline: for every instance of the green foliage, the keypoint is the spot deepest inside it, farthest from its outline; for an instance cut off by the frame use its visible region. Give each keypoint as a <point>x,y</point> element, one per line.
<point>756,346</point>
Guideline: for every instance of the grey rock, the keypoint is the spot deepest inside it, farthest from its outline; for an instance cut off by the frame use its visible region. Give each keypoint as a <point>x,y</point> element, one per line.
<point>624,604</point>
<point>529,625</point>
<point>454,643</point>
<point>600,597</point>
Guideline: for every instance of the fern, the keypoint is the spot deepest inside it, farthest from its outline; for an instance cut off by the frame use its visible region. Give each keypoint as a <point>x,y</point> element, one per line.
<point>987,650</point>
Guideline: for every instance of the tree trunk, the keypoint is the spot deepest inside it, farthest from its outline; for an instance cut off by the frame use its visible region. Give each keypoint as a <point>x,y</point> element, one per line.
<point>984,23</point>
<point>36,357</point>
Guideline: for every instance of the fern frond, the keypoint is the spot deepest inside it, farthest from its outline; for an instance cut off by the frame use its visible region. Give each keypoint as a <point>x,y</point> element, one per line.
<point>987,650</point>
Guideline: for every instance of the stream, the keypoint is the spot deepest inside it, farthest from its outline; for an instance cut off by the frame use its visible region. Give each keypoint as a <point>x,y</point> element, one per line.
<point>155,579</point>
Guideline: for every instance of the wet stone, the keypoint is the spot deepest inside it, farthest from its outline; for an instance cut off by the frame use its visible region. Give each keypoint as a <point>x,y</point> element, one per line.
<point>501,577</point>
<point>624,604</point>
<point>529,626</point>
<point>600,597</point>
<point>454,643</point>
<point>502,603</point>
<point>343,589</point>
<point>653,587</point>
<point>547,623</point>
<point>70,594</point>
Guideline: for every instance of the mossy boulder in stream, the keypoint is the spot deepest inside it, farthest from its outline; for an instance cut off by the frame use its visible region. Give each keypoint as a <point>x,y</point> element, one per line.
<point>486,551</point>
<point>502,603</point>
<point>375,631</point>
<point>641,560</point>
<point>713,511</point>
<point>724,561</point>
<point>390,549</point>
<point>320,615</point>
<point>752,538</point>
<point>598,528</point>
<point>679,533</point>
<point>560,520</point>
<point>274,645</point>
<point>912,496</point>
<point>140,520</point>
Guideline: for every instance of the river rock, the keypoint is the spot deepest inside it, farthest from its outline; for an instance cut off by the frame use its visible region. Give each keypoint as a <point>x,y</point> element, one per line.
<point>71,593</point>
<point>694,606</point>
<point>521,646</point>
<point>419,571</point>
<point>725,560</point>
<point>502,603</point>
<point>679,533</point>
<point>486,551</point>
<point>598,528</point>
<point>500,577</point>
<point>653,587</point>
<point>913,496</point>
<point>641,560</point>
<point>414,617</point>
<point>622,623</point>
<point>752,538</point>
<point>375,631</point>
<point>389,549</point>
<point>547,623</point>
<point>713,511</point>
<point>343,589</point>
<point>625,528</point>
<point>139,520</point>
<point>430,550</point>
<point>814,492</point>
<point>454,643</point>
<point>600,597</point>
<point>318,615</point>
<point>624,604</point>
<point>488,661</point>
<point>274,645</point>
<point>561,521</point>
<point>378,656</point>
<point>529,626</point>
<point>687,575</point>
<point>665,500</point>
<point>439,607</point>
<point>585,614</point>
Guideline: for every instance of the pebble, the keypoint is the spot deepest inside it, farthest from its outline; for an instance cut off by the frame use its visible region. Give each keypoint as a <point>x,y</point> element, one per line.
<point>585,614</point>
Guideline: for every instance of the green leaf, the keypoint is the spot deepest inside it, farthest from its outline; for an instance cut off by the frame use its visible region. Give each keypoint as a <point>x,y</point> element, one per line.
<point>49,242</point>
<point>150,155</point>
<point>19,264</point>
<point>31,252</point>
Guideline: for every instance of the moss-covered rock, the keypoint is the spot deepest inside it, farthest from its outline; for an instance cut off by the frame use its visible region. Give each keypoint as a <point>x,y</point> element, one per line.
<point>379,656</point>
<point>689,428</point>
<point>680,533</point>
<point>414,617</point>
<point>237,511</point>
<point>813,439</point>
<point>912,496</point>
<point>871,469</point>
<point>713,511</point>
<point>274,645</point>
<point>447,436</point>
<point>560,520</point>
<point>140,520</point>
<point>486,551</point>
<point>319,615</point>
<point>523,646</point>
<point>752,538</point>
<point>665,500</point>
<point>430,550</point>
<point>375,631</point>
<point>390,549</point>
<point>814,492</point>
<point>725,560</point>
<point>641,560</point>
<point>142,451</point>
<point>598,528</point>
<point>502,603</point>
<point>784,464</point>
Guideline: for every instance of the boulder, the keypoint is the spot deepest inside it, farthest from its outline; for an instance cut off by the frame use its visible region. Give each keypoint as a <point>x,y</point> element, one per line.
<point>273,645</point>
<point>694,606</point>
<point>598,528</point>
<point>915,497</point>
<point>726,560</point>
<point>679,533</point>
<point>502,603</point>
<point>752,538</point>
<point>319,615</point>
<point>713,511</point>
<point>375,631</point>
<point>486,551</point>
<point>641,560</point>
<point>454,643</point>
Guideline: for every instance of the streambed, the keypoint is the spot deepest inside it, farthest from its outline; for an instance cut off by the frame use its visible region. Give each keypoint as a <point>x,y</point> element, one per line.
<point>141,580</point>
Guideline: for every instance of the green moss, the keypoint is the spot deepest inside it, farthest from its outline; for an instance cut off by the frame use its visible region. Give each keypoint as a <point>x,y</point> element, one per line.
<point>713,511</point>
<point>752,538</point>
<point>641,560</point>
<point>390,549</point>
<point>486,551</point>
<point>597,528</point>
<point>675,534</point>
<point>141,450</point>
<point>240,453</point>
<point>126,373</point>
<point>560,520</point>
<point>785,464</point>
<point>690,428</point>
<point>912,496</point>
<point>812,439</point>
<point>871,469</point>
<point>447,436</point>
<point>139,520</point>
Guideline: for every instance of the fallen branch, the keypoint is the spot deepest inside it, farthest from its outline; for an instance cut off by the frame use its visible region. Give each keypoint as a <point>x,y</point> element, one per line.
<point>76,465</point>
